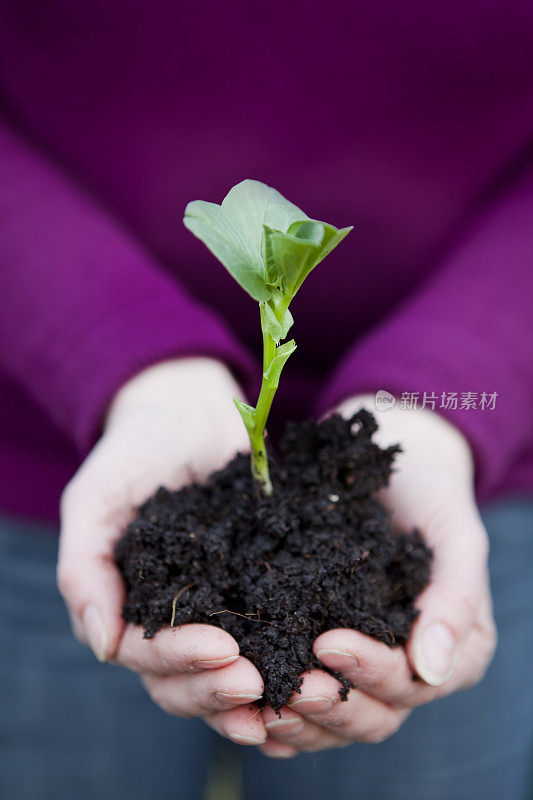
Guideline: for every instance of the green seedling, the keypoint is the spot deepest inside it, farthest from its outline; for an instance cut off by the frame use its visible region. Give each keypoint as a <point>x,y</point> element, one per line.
<point>269,246</point>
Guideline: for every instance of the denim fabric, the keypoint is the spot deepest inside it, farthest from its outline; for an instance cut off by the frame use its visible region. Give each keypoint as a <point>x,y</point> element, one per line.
<point>73,728</point>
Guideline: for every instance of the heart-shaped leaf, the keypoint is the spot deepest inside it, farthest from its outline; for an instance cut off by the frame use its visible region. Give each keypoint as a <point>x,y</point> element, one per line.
<point>234,233</point>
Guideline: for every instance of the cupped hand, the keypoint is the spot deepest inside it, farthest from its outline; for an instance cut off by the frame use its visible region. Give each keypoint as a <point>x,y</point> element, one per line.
<point>173,423</point>
<point>454,637</point>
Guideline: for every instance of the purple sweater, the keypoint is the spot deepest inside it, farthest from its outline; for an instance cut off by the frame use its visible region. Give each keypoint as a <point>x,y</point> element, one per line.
<point>410,120</point>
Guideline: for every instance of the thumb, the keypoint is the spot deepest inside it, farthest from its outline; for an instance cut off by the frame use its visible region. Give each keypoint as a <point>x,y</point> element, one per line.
<point>87,577</point>
<point>450,605</point>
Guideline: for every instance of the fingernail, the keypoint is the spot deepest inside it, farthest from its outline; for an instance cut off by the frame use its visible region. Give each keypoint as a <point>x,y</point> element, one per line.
<point>278,754</point>
<point>436,654</point>
<point>213,663</point>
<point>279,724</point>
<point>339,660</point>
<point>313,705</point>
<point>225,697</point>
<point>247,739</point>
<point>95,632</point>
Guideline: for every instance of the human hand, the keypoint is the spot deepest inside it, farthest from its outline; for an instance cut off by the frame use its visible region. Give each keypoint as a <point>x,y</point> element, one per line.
<point>172,423</point>
<point>453,639</point>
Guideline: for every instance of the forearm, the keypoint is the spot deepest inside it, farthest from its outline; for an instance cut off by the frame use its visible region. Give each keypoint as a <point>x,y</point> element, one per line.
<point>83,306</point>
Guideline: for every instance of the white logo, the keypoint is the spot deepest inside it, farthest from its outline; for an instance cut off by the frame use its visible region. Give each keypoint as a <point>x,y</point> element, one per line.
<point>384,400</point>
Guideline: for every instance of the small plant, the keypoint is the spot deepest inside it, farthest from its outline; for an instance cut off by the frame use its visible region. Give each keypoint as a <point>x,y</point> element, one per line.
<point>269,246</point>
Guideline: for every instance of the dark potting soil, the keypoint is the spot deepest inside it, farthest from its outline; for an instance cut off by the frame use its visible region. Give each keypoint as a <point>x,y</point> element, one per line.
<point>276,572</point>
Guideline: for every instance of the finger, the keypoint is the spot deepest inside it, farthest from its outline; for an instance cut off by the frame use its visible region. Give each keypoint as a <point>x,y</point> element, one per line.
<point>319,692</point>
<point>450,605</point>
<point>87,577</point>
<point>373,667</point>
<point>360,718</point>
<point>243,725</point>
<point>275,749</point>
<point>186,648</point>
<point>296,731</point>
<point>201,693</point>
<point>477,652</point>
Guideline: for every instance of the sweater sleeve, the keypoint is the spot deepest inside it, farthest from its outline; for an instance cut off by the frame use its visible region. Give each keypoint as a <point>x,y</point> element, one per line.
<point>469,331</point>
<point>83,306</point>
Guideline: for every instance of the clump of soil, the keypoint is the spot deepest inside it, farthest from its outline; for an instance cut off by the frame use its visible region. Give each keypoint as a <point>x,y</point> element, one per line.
<point>276,572</point>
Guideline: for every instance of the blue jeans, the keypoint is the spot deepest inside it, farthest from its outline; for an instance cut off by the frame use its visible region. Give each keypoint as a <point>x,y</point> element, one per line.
<point>73,728</point>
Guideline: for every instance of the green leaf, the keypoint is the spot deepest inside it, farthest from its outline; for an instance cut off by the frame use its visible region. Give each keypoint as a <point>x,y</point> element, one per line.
<point>285,252</point>
<point>277,328</point>
<point>332,237</point>
<point>286,324</point>
<point>290,255</point>
<point>266,242</point>
<point>273,372</point>
<point>308,230</point>
<point>269,322</point>
<point>297,252</point>
<point>273,275</point>
<point>323,237</point>
<point>233,232</point>
<point>247,413</point>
